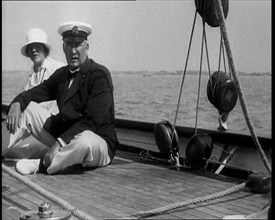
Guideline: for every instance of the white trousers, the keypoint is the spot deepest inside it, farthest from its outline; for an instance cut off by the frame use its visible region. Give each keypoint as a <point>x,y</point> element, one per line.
<point>86,148</point>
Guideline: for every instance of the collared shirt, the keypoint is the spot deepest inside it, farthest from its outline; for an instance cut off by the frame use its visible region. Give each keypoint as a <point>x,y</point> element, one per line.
<point>72,78</point>
<point>44,72</point>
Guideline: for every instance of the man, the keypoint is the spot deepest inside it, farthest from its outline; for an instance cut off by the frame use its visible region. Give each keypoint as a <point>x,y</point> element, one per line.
<point>37,50</point>
<point>83,131</point>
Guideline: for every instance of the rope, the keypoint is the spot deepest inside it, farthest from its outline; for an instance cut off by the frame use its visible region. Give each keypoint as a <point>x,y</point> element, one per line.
<point>207,56</point>
<point>189,202</point>
<point>184,72</point>
<point>199,85</point>
<point>224,63</point>
<point>238,85</point>
<point>64,204</point>
<point>219,63</point>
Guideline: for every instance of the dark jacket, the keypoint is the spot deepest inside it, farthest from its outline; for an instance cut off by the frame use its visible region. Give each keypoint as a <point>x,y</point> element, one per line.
<point>87,105</point>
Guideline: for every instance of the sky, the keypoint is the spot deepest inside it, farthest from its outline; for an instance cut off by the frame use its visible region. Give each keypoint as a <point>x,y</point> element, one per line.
<point>141,35</point>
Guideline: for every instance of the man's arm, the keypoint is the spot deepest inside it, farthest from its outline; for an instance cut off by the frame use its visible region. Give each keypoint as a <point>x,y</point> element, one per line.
<point>40,93</point>
<point>46,91</point>
<point>13,117</point>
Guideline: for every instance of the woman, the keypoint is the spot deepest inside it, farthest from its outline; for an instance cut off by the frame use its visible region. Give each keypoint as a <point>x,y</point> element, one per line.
<point>38,50</point>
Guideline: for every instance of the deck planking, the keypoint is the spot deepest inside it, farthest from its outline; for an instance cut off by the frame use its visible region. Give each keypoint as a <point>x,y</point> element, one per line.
<point>128,187</point>
<point>132,184</point>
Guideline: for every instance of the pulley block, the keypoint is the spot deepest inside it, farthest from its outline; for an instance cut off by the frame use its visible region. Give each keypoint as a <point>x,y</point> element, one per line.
<point>198,150</point>
<point>222,91</point>
<point>207,10</point>
<point>259,183</point>
<point>167,142</point>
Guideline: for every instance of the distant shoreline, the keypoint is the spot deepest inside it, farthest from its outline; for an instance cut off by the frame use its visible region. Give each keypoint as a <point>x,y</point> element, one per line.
<point>161,72</point>
<point>189,72</point>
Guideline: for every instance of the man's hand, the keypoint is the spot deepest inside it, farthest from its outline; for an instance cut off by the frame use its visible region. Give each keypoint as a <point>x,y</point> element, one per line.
<point>13,117</point>
<point>50,154</point>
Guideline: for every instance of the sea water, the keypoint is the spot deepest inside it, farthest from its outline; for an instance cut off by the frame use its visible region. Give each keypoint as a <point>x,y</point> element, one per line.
<point>154,98</point>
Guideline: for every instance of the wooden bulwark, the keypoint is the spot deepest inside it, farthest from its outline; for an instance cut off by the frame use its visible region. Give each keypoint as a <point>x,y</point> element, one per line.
<point>140,135</point>
<point>223,137</point>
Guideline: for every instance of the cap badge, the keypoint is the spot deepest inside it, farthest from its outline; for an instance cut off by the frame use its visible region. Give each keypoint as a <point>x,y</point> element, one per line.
<point>75,30</point>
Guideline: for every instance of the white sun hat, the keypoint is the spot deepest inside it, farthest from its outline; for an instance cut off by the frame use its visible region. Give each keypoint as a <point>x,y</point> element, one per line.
<point>35,35</point>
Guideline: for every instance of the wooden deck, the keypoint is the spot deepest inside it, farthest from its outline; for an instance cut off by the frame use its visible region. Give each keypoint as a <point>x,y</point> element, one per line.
<point>132,184</point>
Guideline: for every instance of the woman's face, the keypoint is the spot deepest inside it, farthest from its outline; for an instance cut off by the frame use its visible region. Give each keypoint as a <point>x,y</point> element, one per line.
<point>37,53</point>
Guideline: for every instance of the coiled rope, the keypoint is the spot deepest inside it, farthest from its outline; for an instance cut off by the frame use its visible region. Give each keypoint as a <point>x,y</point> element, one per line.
<point>162,210</point>
<point>64,204</point>
<point>238,85</point>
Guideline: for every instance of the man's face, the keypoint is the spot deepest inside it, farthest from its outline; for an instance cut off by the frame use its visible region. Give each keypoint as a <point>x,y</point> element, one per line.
<point>75,53</point>
<point>37,53</point>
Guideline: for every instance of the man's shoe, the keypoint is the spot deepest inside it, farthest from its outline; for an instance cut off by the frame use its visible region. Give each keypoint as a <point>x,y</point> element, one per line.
<point>27,166</point>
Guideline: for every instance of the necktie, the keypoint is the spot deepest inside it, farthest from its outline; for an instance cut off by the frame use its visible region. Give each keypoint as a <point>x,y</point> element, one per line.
<point>73,73</point>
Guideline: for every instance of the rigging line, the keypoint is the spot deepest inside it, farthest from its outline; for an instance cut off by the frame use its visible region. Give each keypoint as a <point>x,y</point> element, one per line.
<point>224,63</point>
<point>206,48</point>
<point>207,56</point>
<point>220,52</point>
<point>226,55</point>
<point>199,85</point>
<point>219,66</point>
<point>184,72</point>
<point>164,209</point>
<point>238,85</point>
